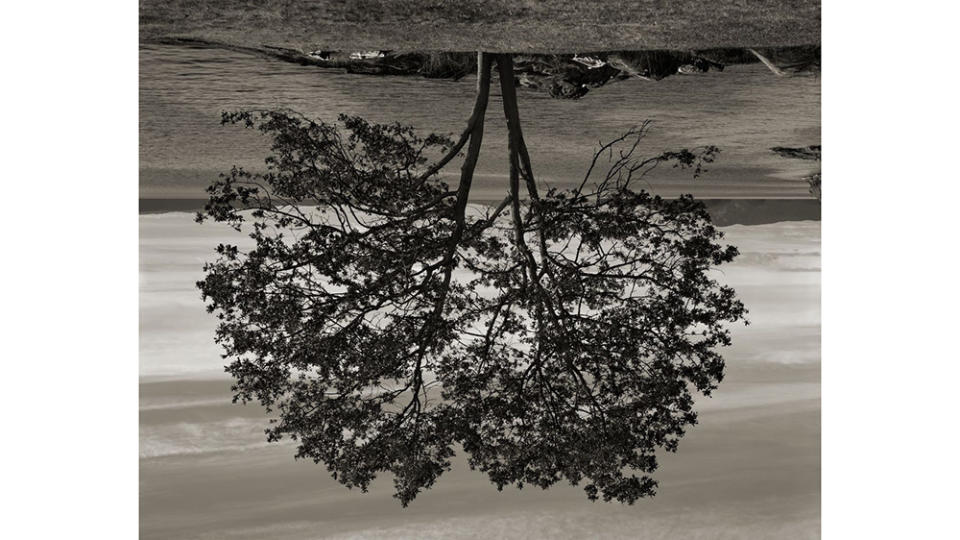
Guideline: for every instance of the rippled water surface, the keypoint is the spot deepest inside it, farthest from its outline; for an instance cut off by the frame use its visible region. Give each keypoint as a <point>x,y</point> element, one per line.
<point>744,110</point>
<point>750,469</point>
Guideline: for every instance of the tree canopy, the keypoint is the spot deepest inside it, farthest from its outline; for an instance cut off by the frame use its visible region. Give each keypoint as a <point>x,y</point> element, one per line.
<point>384,322</point>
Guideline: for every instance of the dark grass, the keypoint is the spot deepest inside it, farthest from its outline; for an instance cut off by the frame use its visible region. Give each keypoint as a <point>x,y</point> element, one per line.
<point>492,25</point>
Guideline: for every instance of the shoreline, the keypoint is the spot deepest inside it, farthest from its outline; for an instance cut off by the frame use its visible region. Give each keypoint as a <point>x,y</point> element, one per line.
<point>725,211</point>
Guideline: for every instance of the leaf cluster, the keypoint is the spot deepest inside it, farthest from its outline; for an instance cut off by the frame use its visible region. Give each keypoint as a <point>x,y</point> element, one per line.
<point>562,342</point>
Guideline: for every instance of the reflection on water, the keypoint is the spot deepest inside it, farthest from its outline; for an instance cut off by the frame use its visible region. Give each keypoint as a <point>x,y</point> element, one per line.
<point>744,109</point>
<point>777,275</point>
<point>750,469</point>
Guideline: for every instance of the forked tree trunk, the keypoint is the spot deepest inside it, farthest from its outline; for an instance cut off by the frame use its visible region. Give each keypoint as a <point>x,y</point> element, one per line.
<point>473,133</point>
<point>518,148</point>
<point>520,166</point>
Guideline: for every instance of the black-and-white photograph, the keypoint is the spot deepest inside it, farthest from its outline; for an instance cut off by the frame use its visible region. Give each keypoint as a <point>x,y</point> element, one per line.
<point>437,269</point>
<point>544,270</point>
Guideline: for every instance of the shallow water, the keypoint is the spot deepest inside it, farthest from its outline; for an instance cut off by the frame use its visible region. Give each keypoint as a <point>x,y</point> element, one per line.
<point>744,110</point>
<point>750,469</point>
<point>777,275</point>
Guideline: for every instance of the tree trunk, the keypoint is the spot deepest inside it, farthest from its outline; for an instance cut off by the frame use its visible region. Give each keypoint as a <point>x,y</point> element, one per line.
<point>484,61</point>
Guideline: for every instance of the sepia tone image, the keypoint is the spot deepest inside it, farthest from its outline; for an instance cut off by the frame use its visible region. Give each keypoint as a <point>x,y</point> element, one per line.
<point>479,269</point>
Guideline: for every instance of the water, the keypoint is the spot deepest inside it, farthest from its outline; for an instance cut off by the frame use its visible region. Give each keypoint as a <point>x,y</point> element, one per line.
<point>777,274</point>
<point>750,469</point>
<point>744,110</point>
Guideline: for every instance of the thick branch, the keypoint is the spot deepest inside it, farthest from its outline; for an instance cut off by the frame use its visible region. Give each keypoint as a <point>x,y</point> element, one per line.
<point>518,149</point>
<point>483,93</point>
<point>514,141</point>
<point>463,194</point>
<point>476,139</point>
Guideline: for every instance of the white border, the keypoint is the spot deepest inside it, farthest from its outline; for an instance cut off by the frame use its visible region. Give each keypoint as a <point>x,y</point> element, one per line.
<point>890,263</point>
<point>889,241</point>
<point>69,271</point>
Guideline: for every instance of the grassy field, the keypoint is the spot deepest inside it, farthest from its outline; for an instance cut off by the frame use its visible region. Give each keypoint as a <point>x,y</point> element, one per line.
<point>493,25</point>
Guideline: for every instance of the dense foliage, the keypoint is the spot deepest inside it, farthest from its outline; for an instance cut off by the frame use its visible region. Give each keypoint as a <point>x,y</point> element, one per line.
<point>384,322</point>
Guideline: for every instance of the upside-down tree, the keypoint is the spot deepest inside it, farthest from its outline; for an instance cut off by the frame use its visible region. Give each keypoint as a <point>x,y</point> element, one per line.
<point>384,322</point>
